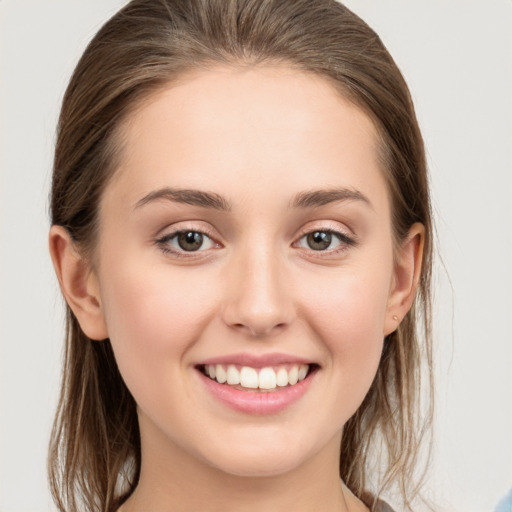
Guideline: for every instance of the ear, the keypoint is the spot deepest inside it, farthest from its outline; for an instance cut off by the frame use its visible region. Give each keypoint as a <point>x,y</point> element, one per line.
<point>78,283</point>
<point>406,277</point>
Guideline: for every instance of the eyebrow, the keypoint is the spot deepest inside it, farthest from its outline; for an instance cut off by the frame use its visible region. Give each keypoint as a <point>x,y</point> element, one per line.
<point>315,198</point>
<point>307,199</point>
<point>186,196</point>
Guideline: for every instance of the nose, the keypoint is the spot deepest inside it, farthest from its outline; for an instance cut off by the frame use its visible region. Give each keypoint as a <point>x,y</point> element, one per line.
<point>258,296</point>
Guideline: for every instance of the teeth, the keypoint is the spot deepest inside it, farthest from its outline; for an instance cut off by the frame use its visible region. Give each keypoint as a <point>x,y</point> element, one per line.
<point>303,371</point>
<point>248,377</point>
<point>267,378</point>
<point>220,374</point>
<point>293,375</point>
<point>282,377</point>
<point>251,378</point>
<point>233,375</point>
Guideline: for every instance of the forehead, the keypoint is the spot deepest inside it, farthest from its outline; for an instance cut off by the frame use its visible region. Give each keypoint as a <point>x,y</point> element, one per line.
<point>236,128</point>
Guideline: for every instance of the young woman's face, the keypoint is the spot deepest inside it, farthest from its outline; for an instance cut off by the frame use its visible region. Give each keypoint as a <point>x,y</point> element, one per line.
<point>246,236</point>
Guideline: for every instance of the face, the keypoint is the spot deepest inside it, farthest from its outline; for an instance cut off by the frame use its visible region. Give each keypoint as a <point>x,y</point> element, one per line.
<point>246,237</point>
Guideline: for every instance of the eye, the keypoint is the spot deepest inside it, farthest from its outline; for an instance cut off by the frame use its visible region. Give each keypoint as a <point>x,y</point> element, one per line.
<point>319,240</point>
<point>325,240</point>
<point>186,241</point>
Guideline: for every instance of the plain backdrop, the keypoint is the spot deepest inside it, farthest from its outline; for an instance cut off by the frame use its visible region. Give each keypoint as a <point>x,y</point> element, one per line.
<point>457,58</point>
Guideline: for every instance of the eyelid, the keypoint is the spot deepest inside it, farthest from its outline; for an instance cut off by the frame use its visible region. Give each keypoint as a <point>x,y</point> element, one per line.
<point>327,225</point>
<point>346,236</point>
<point>161,240</point>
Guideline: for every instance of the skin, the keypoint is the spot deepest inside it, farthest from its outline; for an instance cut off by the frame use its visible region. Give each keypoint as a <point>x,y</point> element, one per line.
<point>257,137</point>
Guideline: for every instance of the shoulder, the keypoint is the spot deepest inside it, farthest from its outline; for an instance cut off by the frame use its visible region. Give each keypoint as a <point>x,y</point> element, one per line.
<point>383,507</point>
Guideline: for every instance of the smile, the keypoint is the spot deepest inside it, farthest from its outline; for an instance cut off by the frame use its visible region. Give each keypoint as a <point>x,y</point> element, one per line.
<point>269,378</point>
<point>257,384</point>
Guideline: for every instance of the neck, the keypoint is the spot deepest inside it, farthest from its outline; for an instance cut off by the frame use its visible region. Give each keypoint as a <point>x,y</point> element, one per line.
<point>172,480</point>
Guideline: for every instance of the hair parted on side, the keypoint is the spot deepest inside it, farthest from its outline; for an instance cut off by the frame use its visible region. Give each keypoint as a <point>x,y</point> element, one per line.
<point>94,454</point>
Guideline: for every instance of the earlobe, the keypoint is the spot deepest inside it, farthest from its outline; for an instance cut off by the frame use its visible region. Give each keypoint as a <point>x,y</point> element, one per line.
<point>78,283</point>
<point>407,274</point>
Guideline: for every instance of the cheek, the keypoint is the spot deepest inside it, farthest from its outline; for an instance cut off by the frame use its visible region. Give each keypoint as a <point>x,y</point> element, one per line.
<point>350,309</point>
<point>153,316</point>
<point>348,315</point>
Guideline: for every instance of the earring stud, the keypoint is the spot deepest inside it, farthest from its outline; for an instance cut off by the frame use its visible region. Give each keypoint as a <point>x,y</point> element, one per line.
<point>395,318</point>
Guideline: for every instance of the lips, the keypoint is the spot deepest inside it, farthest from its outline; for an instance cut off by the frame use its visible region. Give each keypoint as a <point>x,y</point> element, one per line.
<point>262,384</point>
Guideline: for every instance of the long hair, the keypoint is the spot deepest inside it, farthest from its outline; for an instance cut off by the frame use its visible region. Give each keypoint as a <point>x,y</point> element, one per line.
<point>94,454</point>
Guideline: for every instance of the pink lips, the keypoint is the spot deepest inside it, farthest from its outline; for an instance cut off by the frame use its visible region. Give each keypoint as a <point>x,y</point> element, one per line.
<point>256,360</point>
<point>256,402</point>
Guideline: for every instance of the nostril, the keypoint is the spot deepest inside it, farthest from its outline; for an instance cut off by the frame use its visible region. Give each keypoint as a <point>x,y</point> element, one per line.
<point>257,314</point>
<point>259,330</point>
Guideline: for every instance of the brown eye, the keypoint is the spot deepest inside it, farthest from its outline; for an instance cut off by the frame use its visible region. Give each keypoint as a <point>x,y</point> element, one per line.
<point>181,242</point>
<point>325,241</point>
<point>190,240</point>
<point>319,240</point>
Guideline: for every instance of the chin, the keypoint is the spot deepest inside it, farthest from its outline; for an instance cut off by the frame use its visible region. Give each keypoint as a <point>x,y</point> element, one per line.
<point>259,460</point>
<point>258,467</point>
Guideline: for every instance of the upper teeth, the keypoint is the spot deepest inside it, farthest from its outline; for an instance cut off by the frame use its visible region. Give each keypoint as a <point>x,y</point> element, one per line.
<point>263,378</point>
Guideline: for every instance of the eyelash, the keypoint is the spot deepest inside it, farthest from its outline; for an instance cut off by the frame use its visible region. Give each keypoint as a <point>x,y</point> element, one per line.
<point>344,240</point>
<point>163,242</point>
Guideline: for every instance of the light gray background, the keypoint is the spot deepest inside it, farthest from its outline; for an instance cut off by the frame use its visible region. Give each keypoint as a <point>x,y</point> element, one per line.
<point>456,56</point>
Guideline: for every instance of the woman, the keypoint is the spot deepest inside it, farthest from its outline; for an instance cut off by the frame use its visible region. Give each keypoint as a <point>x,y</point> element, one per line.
<point>242,233</point>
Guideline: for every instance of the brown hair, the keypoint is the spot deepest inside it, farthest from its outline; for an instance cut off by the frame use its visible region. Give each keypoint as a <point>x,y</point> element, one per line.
<point>94,455</point>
